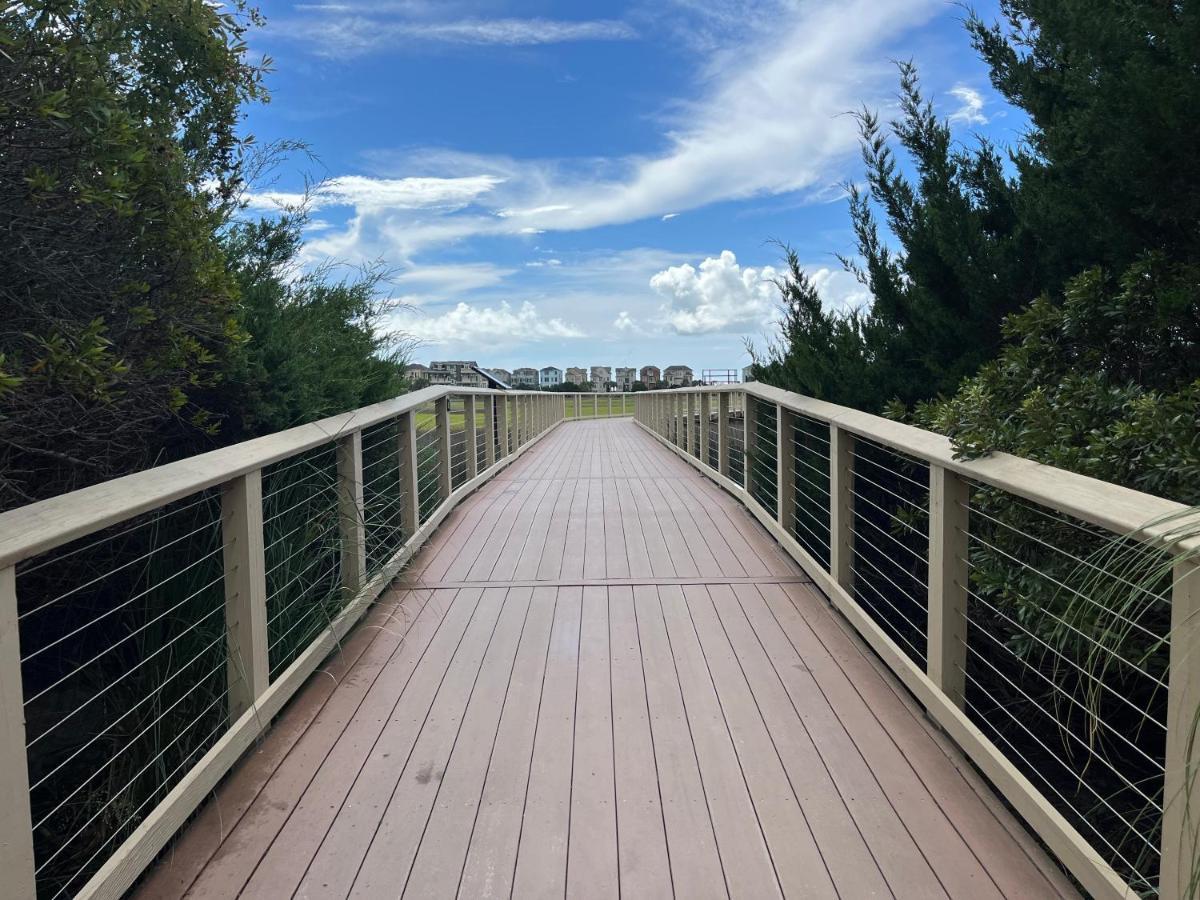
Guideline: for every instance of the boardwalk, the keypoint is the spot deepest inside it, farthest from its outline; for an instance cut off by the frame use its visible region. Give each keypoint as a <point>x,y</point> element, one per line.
<point>602,676</point>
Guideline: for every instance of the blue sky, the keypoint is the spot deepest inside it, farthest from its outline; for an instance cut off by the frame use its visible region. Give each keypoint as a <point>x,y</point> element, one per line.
<point>594,184</point>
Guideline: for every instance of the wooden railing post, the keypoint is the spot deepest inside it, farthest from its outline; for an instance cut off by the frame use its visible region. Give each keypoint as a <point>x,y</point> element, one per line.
<point>578,412</point>
<point>472,437</point>
<point>689,431</point>
<point>841,507</point>
<point>785,468</point>
<point>946,653</point>
<point>16,821</point>
<point>351,514</point>
<point>1180,873</point>
<point>723,433</point>
<point>410,506</point>
<point>705,426</point>
<point>248,667</point>
<point>489,430</point>
<point>442,425</point>
<point>502,429</point>
<point>749,438</point>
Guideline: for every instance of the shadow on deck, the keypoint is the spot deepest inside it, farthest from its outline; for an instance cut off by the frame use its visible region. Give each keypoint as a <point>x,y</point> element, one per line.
<point>602,673</point>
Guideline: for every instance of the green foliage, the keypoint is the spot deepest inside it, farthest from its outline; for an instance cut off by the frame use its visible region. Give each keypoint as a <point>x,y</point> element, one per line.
<point>968,259</point>
<point>316,345</point>
<point>1105,382</point>
<point>1110,168</point>
<point>119,153</point>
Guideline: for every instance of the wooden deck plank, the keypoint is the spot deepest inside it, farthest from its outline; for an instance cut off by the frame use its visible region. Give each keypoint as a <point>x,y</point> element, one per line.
<point>847,855</point>
<point>696,869</point>
<point>323,849</point>
<point>592,842</point>
<point>644,864</point>
<point>798,862</point>
<point>541,865</point>
<point>467,708</point>
<point>619,683</point>
<point>749,869</point>
<point>492,852</point>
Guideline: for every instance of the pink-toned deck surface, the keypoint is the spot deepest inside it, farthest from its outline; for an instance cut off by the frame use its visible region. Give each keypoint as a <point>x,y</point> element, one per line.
<point>602,678</point>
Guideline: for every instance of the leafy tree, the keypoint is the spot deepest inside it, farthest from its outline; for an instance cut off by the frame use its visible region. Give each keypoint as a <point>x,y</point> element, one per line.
<point>317,345</point>
<point>967,260</point>
<point>119,154</point>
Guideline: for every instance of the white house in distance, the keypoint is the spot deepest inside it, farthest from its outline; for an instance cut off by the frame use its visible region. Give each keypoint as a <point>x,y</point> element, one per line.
<point>625,377</point>
<point>576,375</point>
<point>550,376</point>
<point>601,376</point>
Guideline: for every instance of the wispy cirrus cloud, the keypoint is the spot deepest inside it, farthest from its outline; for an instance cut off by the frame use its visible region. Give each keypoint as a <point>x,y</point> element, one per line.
<point>372,194</point>
<point>345,30</point>
<point>770,124</point>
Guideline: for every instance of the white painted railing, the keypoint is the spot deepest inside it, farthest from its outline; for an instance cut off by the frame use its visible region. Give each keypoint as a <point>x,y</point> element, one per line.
<point>975,583</point>
<point>152,626</point>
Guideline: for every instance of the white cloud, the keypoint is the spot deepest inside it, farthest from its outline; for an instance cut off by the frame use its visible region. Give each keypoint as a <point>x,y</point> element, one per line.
<point>721,296</point>
<point>669,216</point>
<point>624,322</point>
<point>341,31</point>
<point>769,123</point>
<point>970,110</point>
<point>487,326</point>
<point>377,194</point>
<point>449,280</point>
<point>542,263</point>
<point>838,288</point>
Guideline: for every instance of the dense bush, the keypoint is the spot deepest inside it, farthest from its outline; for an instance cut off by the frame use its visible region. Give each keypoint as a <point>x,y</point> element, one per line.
<point>119,152</point>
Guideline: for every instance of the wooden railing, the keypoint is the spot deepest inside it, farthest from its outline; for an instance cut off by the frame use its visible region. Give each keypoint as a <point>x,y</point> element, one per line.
<point>964,576</point>
<point>597,406</point>
<point>97,605</point>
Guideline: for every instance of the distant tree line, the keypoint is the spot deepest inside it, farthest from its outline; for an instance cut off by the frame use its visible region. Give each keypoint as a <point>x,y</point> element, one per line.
<point>144,316</point>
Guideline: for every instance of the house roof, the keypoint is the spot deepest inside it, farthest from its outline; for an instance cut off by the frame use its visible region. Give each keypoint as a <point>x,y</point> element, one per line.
<point>492,379</point>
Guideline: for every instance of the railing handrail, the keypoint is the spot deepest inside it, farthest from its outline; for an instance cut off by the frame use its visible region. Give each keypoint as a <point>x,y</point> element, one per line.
<point>1111,506</point>
<point>36,528</point>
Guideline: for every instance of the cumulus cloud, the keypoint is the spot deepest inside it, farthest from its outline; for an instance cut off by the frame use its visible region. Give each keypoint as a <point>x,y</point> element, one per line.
<point>971,103</point>
<point>624,322</point>
<point>720,296</point>
<point>488,326</point>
